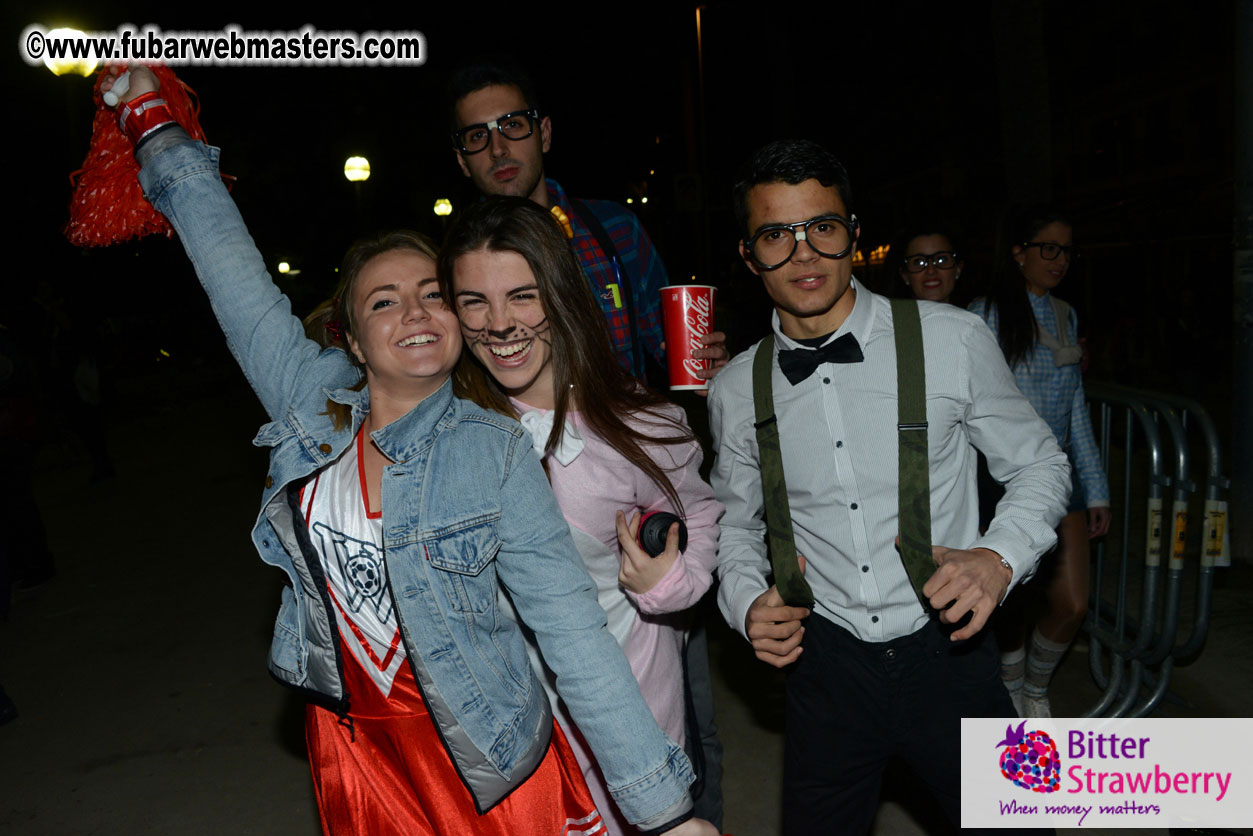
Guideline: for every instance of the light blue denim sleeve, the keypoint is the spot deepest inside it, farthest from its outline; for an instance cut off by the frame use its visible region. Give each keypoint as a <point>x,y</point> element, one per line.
<point>646,773</point>
<point>268,342</point>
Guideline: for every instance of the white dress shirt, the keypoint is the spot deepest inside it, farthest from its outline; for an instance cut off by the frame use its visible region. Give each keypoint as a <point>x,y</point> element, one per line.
<point>838,435</point>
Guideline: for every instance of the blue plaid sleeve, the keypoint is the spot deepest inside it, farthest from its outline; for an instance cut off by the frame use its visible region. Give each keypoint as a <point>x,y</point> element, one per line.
<point>1084,451</point>
<point>648,276</point>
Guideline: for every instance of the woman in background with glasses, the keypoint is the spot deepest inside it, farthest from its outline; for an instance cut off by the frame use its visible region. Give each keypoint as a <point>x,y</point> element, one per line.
<point>1038,334</point>
<point>929,264</point>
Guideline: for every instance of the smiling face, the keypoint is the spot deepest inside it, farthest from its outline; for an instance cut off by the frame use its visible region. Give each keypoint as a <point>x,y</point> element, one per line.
<point>405,335</point>
<point>1043,275</point>
<point>810,291</point>
<point>504,323</point>
<point>934,284</point>
<point>505,166</point>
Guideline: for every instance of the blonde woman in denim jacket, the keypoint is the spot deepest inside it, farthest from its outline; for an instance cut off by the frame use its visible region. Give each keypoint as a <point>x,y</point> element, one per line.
<point>465,512</point>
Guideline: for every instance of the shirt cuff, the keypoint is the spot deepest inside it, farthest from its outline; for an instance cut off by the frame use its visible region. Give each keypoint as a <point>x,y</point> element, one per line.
<point>655,600</point>
<point>1099,503</point>
<point>736,595</point>
<point>1022,566</point>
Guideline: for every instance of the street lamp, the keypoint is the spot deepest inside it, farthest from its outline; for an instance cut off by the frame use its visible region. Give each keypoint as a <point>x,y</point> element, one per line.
<point>357,169</point>
<point>443,207</point>
<point>66,64</point>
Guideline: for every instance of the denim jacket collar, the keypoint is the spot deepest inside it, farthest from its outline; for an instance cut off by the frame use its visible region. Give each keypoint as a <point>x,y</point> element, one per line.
<point>403,438</point>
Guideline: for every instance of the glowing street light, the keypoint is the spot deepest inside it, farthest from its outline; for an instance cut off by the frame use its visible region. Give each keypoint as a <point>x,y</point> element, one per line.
<point>284,267</point>
<point>357,169</point>
<point>67,64</point>
<point>443,207</point>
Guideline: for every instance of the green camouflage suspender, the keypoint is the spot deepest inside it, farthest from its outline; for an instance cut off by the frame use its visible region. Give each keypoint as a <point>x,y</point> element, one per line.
<point>788,579</point>
<point>914,465</point>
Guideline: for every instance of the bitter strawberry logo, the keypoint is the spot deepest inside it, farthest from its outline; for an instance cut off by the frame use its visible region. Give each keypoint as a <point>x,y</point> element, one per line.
<point>1030,759</point>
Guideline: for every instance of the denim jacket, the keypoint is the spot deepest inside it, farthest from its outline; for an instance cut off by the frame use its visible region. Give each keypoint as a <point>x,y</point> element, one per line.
<point>467,512</point>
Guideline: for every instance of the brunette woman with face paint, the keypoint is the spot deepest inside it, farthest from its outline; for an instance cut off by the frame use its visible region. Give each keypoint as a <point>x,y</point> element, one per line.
<point>402,516</point>
<point>1039,336</point>
<point>613,450</point>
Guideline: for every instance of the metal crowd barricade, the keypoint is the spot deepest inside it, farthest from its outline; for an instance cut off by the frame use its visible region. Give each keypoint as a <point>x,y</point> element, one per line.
<point>1132,655</point>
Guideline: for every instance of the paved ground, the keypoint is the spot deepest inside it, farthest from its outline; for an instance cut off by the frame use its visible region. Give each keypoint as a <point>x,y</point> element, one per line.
<point>140,670</point>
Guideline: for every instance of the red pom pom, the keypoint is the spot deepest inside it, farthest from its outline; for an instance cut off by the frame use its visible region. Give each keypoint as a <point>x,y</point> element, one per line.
<point>108,205</point>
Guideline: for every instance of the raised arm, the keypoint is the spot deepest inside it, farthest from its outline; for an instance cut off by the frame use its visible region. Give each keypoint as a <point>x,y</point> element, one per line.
<point>180,178</point>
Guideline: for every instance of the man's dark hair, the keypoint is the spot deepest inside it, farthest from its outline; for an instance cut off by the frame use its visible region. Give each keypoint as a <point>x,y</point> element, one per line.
<point>476,75</point>
<point>791,161</point>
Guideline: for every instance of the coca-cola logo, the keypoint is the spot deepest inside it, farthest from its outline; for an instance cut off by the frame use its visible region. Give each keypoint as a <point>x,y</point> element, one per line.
<point>698,316</point>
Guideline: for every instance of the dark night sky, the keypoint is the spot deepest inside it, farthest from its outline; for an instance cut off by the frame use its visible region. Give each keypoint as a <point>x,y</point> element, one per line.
<point>1136,108</point>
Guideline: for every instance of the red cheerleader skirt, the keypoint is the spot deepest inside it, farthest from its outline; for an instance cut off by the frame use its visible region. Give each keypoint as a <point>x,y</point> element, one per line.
<point>390,774</point>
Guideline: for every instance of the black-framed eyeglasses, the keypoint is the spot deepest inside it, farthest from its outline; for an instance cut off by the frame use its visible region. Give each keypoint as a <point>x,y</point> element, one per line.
<point>515,126</point>
<point>830,236</point>
<point>1050,251</point>
<point>942,260</point>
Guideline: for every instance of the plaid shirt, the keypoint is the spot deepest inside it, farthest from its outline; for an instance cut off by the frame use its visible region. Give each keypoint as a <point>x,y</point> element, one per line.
<point>642,270</point>
<point>1056,392</point>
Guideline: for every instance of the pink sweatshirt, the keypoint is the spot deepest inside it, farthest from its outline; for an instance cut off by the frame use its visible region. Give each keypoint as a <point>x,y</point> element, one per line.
<point>591,489</point>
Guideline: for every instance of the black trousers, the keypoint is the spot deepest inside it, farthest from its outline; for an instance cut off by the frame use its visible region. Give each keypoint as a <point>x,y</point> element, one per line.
<point>854,705</point>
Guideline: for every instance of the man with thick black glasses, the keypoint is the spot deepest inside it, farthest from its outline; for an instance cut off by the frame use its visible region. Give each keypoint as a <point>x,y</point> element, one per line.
<point>846,438</point>
<point>500,136</point>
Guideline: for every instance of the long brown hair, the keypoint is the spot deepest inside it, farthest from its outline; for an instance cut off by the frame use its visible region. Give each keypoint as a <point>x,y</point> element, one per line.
<point>583,360</point>
<point>1015,320</point>
<point>331,322</point>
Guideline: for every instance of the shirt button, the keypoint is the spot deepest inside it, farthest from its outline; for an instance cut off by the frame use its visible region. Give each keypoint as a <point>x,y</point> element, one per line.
<point>269,481</point>
<point>826,380</point>
<point>890,653</point>
<point>875,619</point>
<point>839,444</point>
<point>325,448</point>
<point>865,568</point>
<point>853,506</point>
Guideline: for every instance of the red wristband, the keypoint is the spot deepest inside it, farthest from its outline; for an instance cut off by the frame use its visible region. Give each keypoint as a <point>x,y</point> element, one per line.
<point>142,115</point>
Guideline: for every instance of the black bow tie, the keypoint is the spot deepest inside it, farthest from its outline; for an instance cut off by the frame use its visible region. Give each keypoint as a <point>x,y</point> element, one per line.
<point>799,363</point>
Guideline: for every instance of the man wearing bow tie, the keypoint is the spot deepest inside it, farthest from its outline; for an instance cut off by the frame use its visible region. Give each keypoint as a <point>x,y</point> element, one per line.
<point>500,136</point>
<point>886,654</point>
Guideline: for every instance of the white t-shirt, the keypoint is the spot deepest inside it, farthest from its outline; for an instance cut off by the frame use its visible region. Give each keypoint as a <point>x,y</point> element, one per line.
<point>348,538</point>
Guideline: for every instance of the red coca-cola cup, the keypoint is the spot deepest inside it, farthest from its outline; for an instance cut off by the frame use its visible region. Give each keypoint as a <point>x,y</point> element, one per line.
<point>687,314</point>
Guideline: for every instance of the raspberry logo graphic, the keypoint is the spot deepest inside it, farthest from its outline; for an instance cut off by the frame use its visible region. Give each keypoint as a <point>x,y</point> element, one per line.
<point>1030,759</point>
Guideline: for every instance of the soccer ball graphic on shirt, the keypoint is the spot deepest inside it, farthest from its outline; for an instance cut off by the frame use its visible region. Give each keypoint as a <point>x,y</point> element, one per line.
<point>1030,759</point>
<point>364,572</point>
